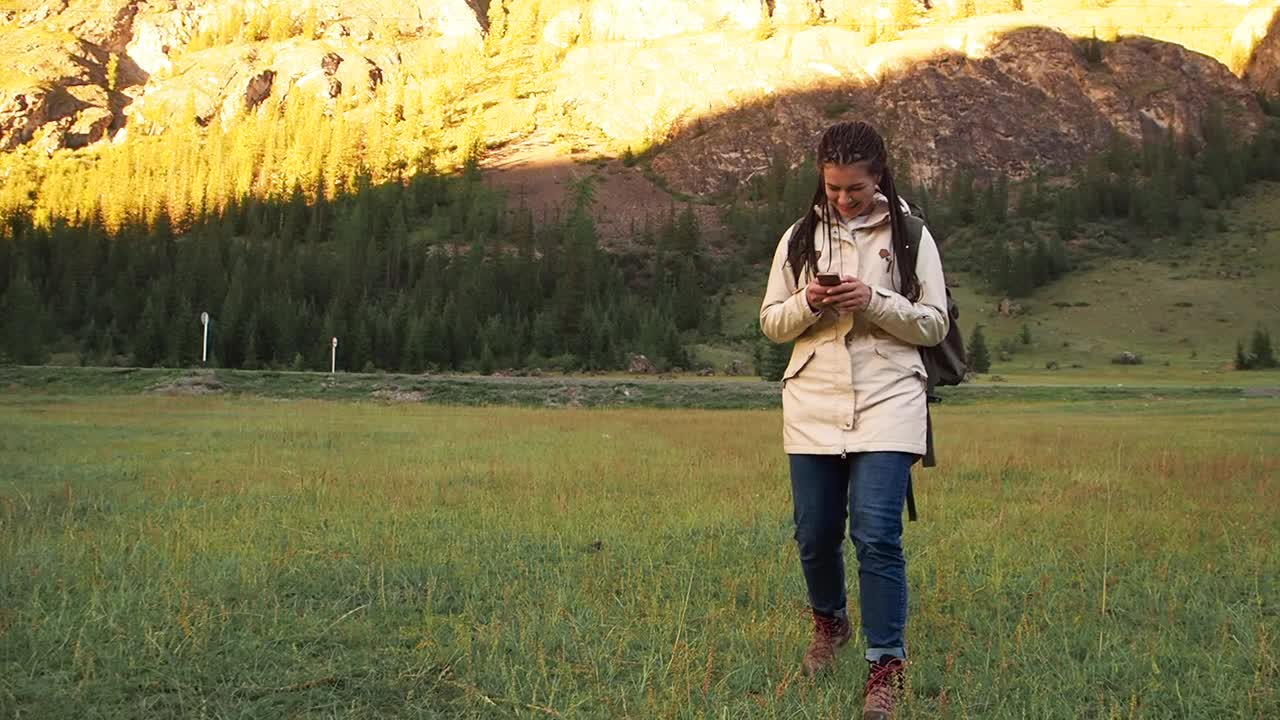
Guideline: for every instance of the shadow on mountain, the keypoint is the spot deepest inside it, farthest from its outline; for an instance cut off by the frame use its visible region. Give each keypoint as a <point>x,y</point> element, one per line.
<point>1033,101</point>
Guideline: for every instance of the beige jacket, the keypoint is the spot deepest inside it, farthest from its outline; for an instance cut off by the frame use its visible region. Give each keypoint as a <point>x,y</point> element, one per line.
<point>855,382</point>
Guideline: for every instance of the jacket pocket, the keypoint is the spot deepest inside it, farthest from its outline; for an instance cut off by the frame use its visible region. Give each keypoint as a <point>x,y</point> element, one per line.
<point>800,356</point>
<point>905,358</point>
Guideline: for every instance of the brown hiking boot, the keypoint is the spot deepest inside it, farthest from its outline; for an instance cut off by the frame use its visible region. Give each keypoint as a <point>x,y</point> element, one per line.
<point>884,685</point>
<point>829,633</point>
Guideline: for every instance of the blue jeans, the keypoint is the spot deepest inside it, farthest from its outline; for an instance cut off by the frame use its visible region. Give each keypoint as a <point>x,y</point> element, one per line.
<point>870,488</point>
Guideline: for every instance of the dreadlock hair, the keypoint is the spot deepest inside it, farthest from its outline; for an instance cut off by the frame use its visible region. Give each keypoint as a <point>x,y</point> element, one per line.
<point>850,143</point>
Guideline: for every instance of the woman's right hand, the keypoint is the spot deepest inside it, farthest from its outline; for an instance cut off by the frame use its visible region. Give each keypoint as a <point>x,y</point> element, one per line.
<point>851,295</point>
<point>816,295</point>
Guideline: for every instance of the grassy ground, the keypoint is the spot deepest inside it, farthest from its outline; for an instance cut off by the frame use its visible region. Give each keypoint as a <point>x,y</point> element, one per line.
<point>250,557</point>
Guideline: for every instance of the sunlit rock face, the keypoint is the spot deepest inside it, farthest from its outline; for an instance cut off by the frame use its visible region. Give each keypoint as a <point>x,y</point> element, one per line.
<point>724,85</point>
<point>629,20</point>
<point>1262,72</point>
<point>80,70</point>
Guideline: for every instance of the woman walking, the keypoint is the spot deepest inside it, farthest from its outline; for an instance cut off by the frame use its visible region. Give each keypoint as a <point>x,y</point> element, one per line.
<point>859,295</point>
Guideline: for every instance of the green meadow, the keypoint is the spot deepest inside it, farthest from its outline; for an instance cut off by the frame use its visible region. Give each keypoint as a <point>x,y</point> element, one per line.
<point>251,557</point>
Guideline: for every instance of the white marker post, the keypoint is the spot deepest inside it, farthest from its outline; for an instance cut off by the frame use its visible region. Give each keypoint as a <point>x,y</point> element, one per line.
<point>333,358</point>
<point>204,345</point>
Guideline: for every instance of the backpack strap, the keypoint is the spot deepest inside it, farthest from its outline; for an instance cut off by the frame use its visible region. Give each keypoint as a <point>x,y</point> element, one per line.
<point>926,460</point>
<point>912,515</point>
<point>915,231</point>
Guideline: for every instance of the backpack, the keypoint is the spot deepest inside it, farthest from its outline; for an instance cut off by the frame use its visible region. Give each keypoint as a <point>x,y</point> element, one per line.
<point>946,363</point>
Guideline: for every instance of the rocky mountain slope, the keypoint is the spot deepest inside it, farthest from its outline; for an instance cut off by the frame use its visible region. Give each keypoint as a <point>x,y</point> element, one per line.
<point>1262,72</point>
<point>718,89</point>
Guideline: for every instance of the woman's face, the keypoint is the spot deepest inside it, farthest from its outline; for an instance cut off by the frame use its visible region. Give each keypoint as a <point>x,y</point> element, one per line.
<point>850,188</point>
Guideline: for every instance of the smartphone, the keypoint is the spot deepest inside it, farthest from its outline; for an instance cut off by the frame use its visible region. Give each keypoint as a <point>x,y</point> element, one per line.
<point>828,279</point>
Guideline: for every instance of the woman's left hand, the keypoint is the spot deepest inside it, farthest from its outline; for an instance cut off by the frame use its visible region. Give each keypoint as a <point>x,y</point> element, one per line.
<point>851,295</point>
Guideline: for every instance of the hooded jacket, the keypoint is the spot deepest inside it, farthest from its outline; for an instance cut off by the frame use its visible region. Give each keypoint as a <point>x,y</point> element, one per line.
<point>855,382</point>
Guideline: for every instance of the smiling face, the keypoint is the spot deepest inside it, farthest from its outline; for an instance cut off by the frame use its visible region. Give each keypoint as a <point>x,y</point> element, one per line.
<point>851,189</point>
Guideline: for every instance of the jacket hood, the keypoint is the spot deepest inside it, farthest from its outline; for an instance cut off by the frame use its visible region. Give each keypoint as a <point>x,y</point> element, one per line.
<point>878,215</point>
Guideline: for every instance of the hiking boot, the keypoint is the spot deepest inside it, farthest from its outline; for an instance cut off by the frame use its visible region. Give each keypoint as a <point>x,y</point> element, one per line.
<point>884,686</point>
<point>829,633</point>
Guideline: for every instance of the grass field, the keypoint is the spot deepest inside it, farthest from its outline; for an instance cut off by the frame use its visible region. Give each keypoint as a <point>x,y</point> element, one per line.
<point>254,557</point>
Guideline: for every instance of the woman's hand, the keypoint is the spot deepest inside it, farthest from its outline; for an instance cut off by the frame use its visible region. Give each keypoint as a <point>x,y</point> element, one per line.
<point>816,295</point>
<point>850,296</point>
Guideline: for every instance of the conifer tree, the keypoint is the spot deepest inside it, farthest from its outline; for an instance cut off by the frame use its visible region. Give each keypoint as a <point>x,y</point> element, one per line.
<point>148,350</point>
<point>770,358</point>
<point>22,322</point>
<point>1243,361</point>
<point>1262,354</point>
<point>978,355</point>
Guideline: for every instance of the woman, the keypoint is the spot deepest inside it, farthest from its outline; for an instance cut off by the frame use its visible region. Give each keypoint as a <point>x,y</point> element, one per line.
<point>853,395</point>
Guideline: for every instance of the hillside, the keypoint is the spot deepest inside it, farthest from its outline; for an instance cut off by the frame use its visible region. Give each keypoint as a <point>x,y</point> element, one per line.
<point>306,160</point>
<point>1182,309</point>
<point>1184,306</point>
<point>692,81</point>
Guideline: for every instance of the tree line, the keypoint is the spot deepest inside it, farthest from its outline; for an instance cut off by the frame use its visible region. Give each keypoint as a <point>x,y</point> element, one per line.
<point>431,273</point>
<point>290,239</point>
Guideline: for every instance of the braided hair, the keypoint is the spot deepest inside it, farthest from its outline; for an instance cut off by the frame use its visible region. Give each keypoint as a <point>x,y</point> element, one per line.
<point>850,143</point>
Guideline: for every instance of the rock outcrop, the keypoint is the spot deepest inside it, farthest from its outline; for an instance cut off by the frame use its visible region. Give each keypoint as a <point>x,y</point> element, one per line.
<point>221,83</point>
<point>1030,99</point>
<point>81,69</point>
<point>795,12</point>
<point>1262,72</point>
<point>55,92</point>
<point>722,101</point>
<point>629,20</point>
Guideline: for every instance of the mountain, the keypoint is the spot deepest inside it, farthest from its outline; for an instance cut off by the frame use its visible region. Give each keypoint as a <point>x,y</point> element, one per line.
<point>433,181</point>
<point>721,88</point>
